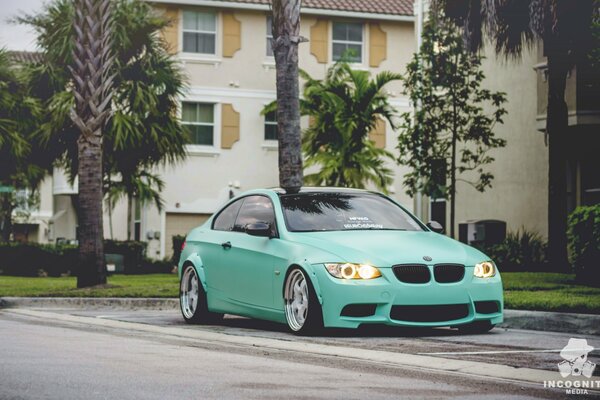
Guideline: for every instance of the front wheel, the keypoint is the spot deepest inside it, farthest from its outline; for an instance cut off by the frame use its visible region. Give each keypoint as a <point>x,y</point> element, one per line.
<point>302,309</point>
<point>192,299</point>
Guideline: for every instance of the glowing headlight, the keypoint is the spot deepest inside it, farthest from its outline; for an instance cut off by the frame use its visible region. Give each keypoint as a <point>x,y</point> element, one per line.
<point>353,271</point>
<point>485,269</point>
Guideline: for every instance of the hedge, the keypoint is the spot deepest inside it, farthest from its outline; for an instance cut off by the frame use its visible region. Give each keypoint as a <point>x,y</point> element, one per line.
<point>521,251</point>
<point>33,259</point>
<point>584,244</point>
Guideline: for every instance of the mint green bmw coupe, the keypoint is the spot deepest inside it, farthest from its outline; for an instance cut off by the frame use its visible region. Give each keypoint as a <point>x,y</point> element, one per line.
<point>330,257</point>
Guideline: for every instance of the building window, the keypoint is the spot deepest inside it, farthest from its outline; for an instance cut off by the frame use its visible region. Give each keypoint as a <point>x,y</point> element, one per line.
<point>199,32</point>
<point>271,126</point>
<point>200,120</point>
<point>269,36</point>
<point>347,41</point>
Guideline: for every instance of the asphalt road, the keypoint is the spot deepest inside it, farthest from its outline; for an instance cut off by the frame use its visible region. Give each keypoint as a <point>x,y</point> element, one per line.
<point>108,354</point>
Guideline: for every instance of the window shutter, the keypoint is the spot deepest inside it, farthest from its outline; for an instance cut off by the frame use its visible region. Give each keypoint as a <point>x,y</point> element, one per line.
<point>232,34</point>
<point>319,40</point>
<point>171,32</point>
<point>377,45</point>
<point>230,126</point>
<point>377,134</point>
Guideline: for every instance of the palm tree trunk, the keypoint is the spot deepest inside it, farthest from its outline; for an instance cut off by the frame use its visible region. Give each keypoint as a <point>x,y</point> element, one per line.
<point>286,37</point>
<point>92,89</point>
<point>556,126</point>
<point>92,269</point>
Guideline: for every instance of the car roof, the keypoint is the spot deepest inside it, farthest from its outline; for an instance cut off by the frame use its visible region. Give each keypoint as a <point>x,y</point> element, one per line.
<point>324,189</point>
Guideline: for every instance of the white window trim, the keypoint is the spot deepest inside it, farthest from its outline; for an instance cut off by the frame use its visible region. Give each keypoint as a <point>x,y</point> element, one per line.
<point>202,58</point>
<point>201,149</point>
<point>363,53</point>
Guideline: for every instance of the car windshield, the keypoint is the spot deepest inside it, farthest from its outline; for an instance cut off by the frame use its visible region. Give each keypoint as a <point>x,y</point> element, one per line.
<point>316,212</point>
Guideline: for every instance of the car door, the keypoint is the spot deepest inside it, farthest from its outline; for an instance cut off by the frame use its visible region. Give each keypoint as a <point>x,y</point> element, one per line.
<point>251,258</point>
<point>214,252</point>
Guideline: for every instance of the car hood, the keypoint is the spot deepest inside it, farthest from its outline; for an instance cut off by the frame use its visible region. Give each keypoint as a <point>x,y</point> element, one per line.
<point>387,248</point>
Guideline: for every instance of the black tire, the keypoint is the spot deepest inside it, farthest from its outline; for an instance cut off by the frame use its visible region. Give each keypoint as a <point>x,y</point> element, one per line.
<point>313,322</point>
<point>197,313</point>
<point>477,327</point>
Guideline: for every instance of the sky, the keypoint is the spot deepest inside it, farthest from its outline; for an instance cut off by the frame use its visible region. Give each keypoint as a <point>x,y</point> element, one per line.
<point>17,37</point>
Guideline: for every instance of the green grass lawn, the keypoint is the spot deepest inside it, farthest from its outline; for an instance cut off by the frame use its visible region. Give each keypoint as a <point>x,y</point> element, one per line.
<point>154,285</point>
<point>549,292</point>
<point>522,290</point>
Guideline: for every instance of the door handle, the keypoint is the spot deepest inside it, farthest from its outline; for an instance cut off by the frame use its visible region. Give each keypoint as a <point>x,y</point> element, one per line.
<point>226,245</point>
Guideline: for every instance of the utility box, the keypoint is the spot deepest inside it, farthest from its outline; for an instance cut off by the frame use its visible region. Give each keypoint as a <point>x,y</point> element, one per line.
<point>114,263</point>
<point>485,232</point>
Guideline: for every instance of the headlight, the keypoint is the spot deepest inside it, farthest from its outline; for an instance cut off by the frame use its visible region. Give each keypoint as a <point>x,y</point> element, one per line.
<point>353,271</point>
<point>485,269</point>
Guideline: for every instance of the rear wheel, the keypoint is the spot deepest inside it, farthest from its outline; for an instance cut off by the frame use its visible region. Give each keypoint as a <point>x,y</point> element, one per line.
<point>192,299</point>
<point>477,327</point>
<point>302,309</point>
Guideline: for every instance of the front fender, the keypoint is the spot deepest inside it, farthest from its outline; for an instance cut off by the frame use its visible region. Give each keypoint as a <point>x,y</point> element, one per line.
<point>310,272</point>
<point>196,261</point>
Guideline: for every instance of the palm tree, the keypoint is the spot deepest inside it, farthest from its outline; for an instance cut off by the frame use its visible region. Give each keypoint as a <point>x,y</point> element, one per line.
<point>13,144</point>
<point>343,109</point>
<point>92,89</point>
<point>144,130</point>
<point>563,28</point>
<point>286,37</point>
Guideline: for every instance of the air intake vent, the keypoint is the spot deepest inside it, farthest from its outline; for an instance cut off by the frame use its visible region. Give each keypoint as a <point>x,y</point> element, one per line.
<point>435,313</point>
<point>358,310</point>
<point>448,273</point>
<point>412,273</point>
<point>487,307</point>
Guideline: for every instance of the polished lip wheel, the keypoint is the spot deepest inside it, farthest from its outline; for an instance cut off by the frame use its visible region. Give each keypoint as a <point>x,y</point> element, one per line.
<point>296,300</point>
<point>189,292</point>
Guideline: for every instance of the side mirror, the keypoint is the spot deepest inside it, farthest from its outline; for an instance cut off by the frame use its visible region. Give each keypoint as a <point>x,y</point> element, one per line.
<point>435,226</point>
<point>259,229</point>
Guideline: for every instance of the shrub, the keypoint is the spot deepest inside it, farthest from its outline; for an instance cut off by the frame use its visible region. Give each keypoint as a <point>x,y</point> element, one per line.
<point>33,259</point>
<point>520,251</point>
<point>584,244</point>
<point>157,266</point>
<point>178,241</point>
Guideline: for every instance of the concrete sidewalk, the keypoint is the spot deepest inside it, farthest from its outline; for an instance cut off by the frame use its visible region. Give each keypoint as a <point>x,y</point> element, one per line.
<point>577,324</point>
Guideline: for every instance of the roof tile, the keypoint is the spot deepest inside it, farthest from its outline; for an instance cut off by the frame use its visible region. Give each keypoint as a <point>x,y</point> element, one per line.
<point>390,7</point>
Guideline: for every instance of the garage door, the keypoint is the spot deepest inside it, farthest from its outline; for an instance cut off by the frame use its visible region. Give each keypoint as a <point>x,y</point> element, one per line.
<point>180,224</point>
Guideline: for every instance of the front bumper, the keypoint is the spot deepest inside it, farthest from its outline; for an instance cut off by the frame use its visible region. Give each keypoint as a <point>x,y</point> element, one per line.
<point>428,304</point>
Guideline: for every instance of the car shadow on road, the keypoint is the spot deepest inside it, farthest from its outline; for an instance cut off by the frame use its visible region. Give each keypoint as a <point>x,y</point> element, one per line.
<point>367,330</point>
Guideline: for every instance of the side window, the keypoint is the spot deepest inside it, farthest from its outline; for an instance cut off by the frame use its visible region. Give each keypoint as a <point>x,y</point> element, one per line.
<point>255,209</point>
<point>226,219</point>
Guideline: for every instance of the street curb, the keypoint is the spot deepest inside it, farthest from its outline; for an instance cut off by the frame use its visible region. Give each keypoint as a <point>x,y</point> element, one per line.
<point>90,303</point>
<point>577,324</point>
